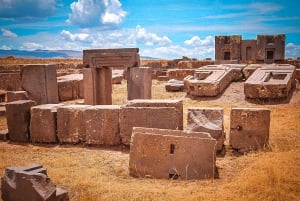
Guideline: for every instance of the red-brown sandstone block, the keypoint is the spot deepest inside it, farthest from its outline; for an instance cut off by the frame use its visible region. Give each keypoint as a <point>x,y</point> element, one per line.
<point>43,123</point>
<point>18,119</point>
<point>102,124</point>
<point>16,95</point>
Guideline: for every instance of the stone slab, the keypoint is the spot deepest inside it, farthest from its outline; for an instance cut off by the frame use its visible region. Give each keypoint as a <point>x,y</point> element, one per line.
<point>210,120</point>
<point>174,85</point>
<point>70,87</point>
<point>18,119</point>
<point>139,83</point>
<point>43,124</point>
<point>4,135</point>
<point>249,129</point>
<point>169,154</point>
<point>40,83</point>
<point>149,117</point>
<point>16,95</point>
<point>30,183</point>
<point>102,125</point>
<point>70,123</point>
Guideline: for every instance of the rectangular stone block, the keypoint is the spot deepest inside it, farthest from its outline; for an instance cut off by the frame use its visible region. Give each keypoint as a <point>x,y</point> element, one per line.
<point>40,83</point>
<point>43,124</point>
<point>164,154</point>
<point>149,117</point>
<point>18,119</point>
<point>70,87</point>
<point>97,83</point>
<point>177,104</point>
<point>208,120</point>
<point>139,83</point>
<point>16,95</point>
<point>70,123</point>
<point>249,128</point>
<point>4,135</point>
<point>270,82</point>
<point>102,125</point>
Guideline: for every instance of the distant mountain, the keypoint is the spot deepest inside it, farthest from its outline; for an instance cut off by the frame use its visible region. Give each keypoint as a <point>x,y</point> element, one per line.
<point>47,54</point>
<point>41,53</point>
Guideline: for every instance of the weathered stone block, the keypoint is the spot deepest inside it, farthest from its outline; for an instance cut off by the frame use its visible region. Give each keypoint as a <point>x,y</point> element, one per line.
<point>70,123</point>
<point>43,124</point>
<point>177,104</point>
<point>18,119</point>
<point>16,95</point>
<point>149,117</point>
<point>4,135</point>
<point>40,83</point>
<point>162,153</point>
<point>174,85</point>
<point>139,83</point>
<point>208,120</point>
<point>30,183</point>
<point>102,124</point>
<point>70,87</point>
<point>249,128</point>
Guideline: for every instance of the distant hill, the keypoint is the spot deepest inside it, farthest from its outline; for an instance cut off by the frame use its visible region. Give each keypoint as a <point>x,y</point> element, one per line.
<point>47,54</point>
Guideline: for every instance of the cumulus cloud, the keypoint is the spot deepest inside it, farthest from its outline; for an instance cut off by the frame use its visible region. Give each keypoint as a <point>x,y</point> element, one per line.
<point>96,13</point>
<point>74,37</point>
<point>31,46</point>
<point>20,9</point>
<point>196,41</point>
<point>8,33</point>
<point>292,50</point>
<point>4,47</point>
<point>149,39</point>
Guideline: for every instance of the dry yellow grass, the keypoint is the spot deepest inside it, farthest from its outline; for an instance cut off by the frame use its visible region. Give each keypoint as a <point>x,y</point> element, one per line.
<point>101,173</point>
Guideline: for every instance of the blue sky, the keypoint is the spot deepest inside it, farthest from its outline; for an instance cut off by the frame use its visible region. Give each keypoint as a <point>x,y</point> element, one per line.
<point>162,29</point>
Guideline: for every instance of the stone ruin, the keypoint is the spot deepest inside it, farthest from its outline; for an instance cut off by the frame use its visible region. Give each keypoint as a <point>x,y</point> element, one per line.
<point>163,154</point>
<point>30,183</point>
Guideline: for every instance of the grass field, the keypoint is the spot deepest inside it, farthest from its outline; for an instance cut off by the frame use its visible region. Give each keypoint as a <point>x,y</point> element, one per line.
<point>101,173</point>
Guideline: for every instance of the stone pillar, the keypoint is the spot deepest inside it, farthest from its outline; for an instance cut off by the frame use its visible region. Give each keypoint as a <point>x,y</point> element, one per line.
<point>40,83</point>
<point>97,84</point>
<point>139,83</point>
<point>18,119</point>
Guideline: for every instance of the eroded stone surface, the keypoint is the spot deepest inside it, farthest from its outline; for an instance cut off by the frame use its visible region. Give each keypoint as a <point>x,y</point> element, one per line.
<point>174,85</point>
<point>139,83</point>
<point>249,129</point>
<point>161,153</point>
<point>16,95</point>
<point>70,87</point>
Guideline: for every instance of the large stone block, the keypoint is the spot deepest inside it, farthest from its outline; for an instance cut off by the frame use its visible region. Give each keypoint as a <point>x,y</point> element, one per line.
<point>249,128</point>
<point>164,154</point>
<point>177,104</point>
<point>174,85</point>
<point>18,119</point>
<point>102,124</point>
<point>208,120</point>
<point>30,183</point>
<point>16,95</point>
<point>43,124</point>
<point>97,84</point>
<point>40,83</point>
<point>149,117</point>
<point>70,123</point>
<point>70,87</point>
<point>139,83</point>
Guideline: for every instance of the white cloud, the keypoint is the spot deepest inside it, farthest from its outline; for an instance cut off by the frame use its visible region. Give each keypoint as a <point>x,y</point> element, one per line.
<point>4,47</point>
<point>96,13</point>
<point>292,50</point>
<point>30,9</point>
<point>149,39</point>
<point>31,46</point>
<point>196,41</point>
<point>8,33</point>
<point>74,37</point>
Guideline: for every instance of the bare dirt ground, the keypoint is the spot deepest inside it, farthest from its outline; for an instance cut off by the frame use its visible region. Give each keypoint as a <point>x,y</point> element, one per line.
<point>101,173</point>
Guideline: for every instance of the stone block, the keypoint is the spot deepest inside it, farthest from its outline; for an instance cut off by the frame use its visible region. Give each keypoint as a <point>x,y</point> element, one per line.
<point>16,95</point>
<point>177,104</point>
<point>40,83</point>
<point>247,71</point>
<point>249,129</point>
<point>149,117</point>
<point>139,83</point>
<point>179,74</point>
<point>97,84</point>
<point>18,119</point>
<point>174,85</point>
<point>70,87</point>
<point>4,135</point>
<point>70,123</point>
<point>102,125</point>
<point>270,82</point>
<point>208,120</point>
<point>30,183</point>
<point>43,124</point>
<point>164,154</point>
